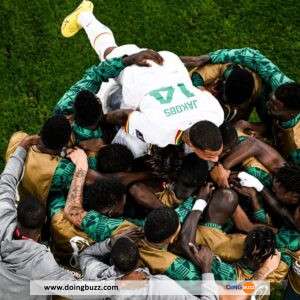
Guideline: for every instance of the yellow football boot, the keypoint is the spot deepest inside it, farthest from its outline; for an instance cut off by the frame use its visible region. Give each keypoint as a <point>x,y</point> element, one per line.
<point>70,26</point>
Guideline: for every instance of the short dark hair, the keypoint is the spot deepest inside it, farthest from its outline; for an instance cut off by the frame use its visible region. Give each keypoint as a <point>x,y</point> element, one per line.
<point>56,132</point>
<point>165,162</point>
<point>31,213</point>
<point>125,255</point>
<point>239,86</point>
<point>103,193</point>
<point>289,177</point>
<point>289,94</point>
<point>205,135</point>
<point>114,158</point>
<point>260,244</point>
<point>87,109</point>
<point>160,224</point>
<point>194,171</point>
<point>229,135</point>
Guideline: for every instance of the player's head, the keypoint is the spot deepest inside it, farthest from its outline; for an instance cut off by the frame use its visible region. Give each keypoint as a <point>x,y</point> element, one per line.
<point>125,255</point>
<point>107,196</point>
<point>165,162</point>
<point>206,140</point>
<point>286,184</point>
<point>114,158</point>
<point>162,225</point>
<point>229,136</point>
<point>285,100</point>
<point>259,245</point>
<point>192,174</point>
<point>239,86</point>
<point>222,205</point>
<point>56,133</point>
<point>87,110</point>
<point>31,216</point>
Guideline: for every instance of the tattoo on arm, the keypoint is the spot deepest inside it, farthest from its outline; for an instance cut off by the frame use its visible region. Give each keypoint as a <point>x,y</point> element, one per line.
<point>73,209</point>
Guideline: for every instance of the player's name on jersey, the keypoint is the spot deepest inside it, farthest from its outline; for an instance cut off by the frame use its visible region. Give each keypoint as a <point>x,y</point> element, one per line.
<point>177,109</point>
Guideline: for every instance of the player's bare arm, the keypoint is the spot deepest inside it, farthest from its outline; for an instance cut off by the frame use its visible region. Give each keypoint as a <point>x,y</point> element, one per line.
<point>73,209</point>
<point>253,147</point>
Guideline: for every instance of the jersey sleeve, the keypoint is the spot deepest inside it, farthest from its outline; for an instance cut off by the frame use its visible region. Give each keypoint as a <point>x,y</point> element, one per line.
<point>91,81</point>
<point>183,269</point>
<point>223,271</point>
<point>56,203</point>
<point>185,208</point>
<point>255,61</point>
<point>63,175</point>
<point>98,226</point>
<point>261,216</point>
<point>9,181</point>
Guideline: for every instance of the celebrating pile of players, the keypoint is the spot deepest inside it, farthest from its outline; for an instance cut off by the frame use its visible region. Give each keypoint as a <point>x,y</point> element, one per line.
<point>155,161</point>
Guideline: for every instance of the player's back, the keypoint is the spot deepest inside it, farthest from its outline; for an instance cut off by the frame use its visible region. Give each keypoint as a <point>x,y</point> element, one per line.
<point>166,111</point>
<point>138,81</point>
<point>181,107</point>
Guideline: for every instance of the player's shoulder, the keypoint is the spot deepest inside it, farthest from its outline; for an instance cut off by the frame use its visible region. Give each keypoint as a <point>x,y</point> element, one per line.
<point>170,56</point>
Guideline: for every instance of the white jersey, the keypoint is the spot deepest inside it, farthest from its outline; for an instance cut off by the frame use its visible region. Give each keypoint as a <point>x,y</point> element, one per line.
<point>162,124</point>
<point>165,99</point>
<point>137,82</point>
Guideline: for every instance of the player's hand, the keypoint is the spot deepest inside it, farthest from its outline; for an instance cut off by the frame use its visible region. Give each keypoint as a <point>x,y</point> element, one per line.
<point>29,141</point>
<point>133,234</point>
<point>248,192</point>
<point>220,176</point>
<point>204,257</point>
<point>270,265</point>
<point>141,58</point>
<point>273,261</point>
<point>92,145</point>
<point>78,158</point>
<point>205,191</point>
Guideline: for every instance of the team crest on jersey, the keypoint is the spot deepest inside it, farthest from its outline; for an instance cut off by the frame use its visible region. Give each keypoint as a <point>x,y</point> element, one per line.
<point>139,135</point>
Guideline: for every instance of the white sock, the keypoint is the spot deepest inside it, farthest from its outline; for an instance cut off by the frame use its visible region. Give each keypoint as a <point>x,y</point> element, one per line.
<point>100,36</point>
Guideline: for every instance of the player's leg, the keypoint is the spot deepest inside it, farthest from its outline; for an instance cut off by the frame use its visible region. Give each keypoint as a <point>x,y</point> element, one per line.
<point>103,42</point>
<point>102,38</point>
<point>99,35</point>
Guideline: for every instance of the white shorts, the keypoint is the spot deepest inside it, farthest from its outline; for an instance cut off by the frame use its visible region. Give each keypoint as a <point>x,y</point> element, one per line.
<point>135,145</point>
<point>110,92</point>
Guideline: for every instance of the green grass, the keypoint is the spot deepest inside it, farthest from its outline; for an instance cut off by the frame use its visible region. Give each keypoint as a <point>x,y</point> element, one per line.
<point>37,65</point>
